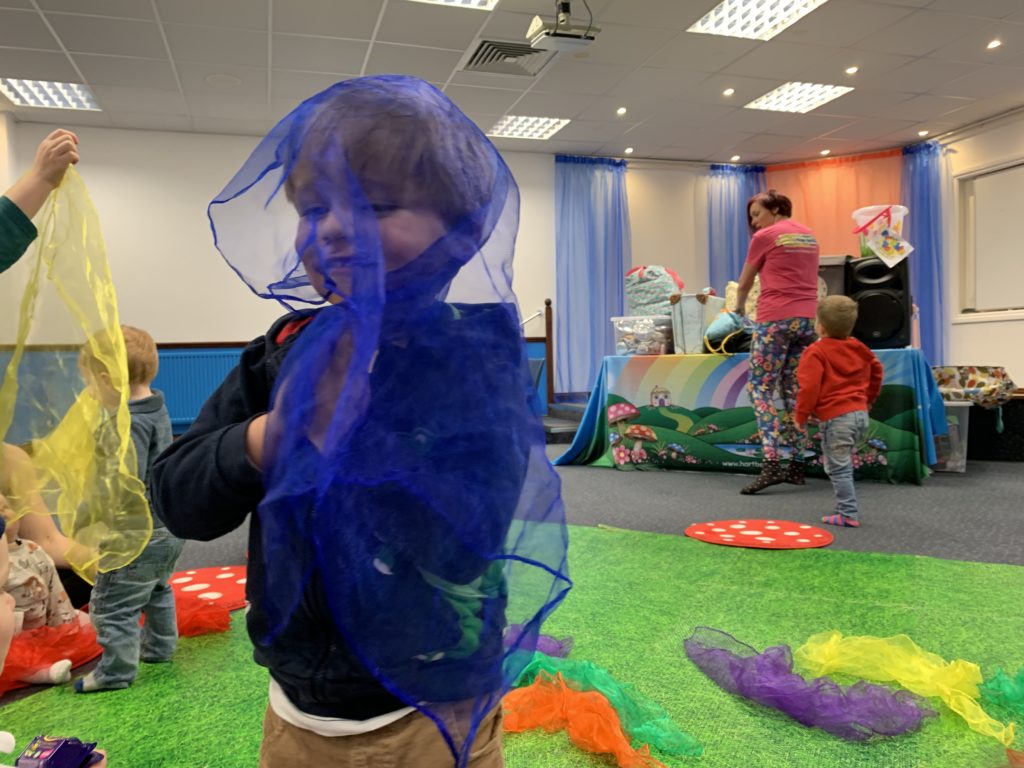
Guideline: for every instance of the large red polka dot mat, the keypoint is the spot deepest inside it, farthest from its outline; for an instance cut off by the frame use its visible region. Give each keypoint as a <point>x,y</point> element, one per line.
<point>761,534</point>
<point>223,584</point>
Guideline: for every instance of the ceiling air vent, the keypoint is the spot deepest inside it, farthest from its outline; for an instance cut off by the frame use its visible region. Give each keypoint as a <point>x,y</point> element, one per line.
<point>498,57</point>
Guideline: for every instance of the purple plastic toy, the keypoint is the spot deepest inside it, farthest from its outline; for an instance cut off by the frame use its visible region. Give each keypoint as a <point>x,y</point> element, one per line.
<point>56,752</point>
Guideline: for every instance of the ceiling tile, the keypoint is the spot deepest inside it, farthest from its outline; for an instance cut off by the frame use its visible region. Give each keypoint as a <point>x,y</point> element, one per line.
<point>564,146</point>
<point>979,110</point>
<point>217,45</point>
<point>150,122</point>
<point>486,100</point>
<point>992,9</point>
<point>252,81</point>
<point>870,129</point>
<point>925,107</point>
<point>544,7</point>
<point>233,126</point>
<point>711,90</point>
<point>919,76</point>
<point>973,46</point>
<point>434,26</point>
<point>766,142</point>
<point>860,103</point>
<point>429,63</point>
<point>638,108</point>
<point>675,131</point>
<point>554,104</point>
<point>651,82</point>
<point>788,61</point>
<point>37,65</point>
<point>580,77</point>
<point>148,100</point>
<point>69,117</point>
<point>489,80</point>
<point>296,86</point>
<point>665,14</point>
<point>244,14</point>
<point>354,19</point>
<point>502,25</point>
<point>758,120</point>
<point>621,44</point>
<point>843,23</point>
<point>808,126</point>
<point>905,3</point>
<point>988,82</point>
<point>701,53</point>
<point>921,33</point>
<point>601,131</point>
<point>116,37</point>
<point>318,54</point>
<point>909,135</point>
<point>126,71</point>
<point>872,68</point>
<point>218,105</point>
<point>125,9</point>
<point>25,29</point>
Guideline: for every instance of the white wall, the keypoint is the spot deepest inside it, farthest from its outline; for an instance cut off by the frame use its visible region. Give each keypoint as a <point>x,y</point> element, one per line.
<point>988,338</point>
<point>668,218</point>
<point>151,189</point>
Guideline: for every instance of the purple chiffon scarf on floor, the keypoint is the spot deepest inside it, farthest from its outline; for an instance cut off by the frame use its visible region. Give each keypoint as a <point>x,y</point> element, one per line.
<point>856,713</point>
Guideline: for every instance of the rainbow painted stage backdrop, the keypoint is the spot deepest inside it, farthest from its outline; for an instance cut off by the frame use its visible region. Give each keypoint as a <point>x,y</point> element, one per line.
<point>693,412</point>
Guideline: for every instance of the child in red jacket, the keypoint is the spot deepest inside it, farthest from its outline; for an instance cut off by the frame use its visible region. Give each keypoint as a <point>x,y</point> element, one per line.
<point>839,378</point>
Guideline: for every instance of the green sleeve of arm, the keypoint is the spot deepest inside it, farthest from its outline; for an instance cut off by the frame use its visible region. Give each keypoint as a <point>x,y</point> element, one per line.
<point>16,233</point>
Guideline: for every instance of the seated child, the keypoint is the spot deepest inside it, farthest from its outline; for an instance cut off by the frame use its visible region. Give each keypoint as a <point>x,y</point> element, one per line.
<point>141,587</point>
<point>839,379</point>
<point>34,596</point>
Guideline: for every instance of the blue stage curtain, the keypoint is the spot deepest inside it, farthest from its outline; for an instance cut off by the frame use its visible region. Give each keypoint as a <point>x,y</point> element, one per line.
<point>729,189</point>
<point>922,193</point>
<point>592,254</point>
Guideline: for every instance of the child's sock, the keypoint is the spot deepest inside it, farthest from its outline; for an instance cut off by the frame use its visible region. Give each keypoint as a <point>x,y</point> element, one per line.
<point>58,672</point>
<point>89,683</point>
<point>841,520</point>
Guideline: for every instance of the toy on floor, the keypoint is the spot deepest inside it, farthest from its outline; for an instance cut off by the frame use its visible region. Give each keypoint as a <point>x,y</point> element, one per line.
<point>761,534</point>
<point>56,752</point>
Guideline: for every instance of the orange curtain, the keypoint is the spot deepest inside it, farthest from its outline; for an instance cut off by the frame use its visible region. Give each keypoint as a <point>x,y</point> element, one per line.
<point>826,192</point>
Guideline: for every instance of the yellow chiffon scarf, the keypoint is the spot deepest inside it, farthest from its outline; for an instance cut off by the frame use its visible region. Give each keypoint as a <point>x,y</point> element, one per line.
<point>901,660</point>
<point>64,396</point>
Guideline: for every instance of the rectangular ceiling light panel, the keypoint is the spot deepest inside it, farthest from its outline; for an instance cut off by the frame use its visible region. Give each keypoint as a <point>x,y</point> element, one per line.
<point>754,19</point>
<point>479,5</point>
<point>42,93</point>
<point>798,97</point>
<point>522,127</point>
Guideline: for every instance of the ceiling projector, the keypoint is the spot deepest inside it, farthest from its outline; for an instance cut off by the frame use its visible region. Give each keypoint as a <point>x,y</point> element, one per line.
<point>560,34</point>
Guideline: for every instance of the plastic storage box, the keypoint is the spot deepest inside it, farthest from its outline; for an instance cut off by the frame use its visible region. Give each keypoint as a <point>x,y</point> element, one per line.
<point>951,448</point>
<point>635,335</point>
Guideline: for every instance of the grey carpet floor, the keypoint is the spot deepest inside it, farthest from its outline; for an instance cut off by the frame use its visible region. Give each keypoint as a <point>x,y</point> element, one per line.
<point>978,515</point>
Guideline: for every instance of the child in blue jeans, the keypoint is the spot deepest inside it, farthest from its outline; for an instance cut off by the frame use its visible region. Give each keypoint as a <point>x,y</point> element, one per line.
<point>839,379</point>
<point>141,586</point>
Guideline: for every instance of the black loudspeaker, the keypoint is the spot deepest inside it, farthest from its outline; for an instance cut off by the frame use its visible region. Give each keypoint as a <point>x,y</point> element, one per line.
<point>883,301</point>
<point>832,270</point>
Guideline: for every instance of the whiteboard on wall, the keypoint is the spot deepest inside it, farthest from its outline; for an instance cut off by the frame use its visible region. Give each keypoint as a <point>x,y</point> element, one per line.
<point>996,239</point>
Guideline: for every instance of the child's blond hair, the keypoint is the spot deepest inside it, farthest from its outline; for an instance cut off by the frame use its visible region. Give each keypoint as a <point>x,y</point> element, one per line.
<point>140,350</point>
<point>837,315</point>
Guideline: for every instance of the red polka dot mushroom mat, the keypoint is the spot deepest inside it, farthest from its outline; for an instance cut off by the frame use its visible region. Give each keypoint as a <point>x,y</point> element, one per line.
<point>224,585</point>
<point>761,534</point>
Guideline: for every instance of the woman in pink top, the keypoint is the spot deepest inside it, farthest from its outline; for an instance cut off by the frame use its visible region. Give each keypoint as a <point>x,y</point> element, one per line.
<point>785,254</point>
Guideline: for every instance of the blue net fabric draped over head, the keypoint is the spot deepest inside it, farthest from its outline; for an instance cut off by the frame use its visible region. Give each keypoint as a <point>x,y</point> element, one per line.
<point>404,462</point>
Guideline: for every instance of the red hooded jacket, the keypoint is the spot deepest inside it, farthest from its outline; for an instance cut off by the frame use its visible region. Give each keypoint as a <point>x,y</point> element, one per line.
<point>836,376</point>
